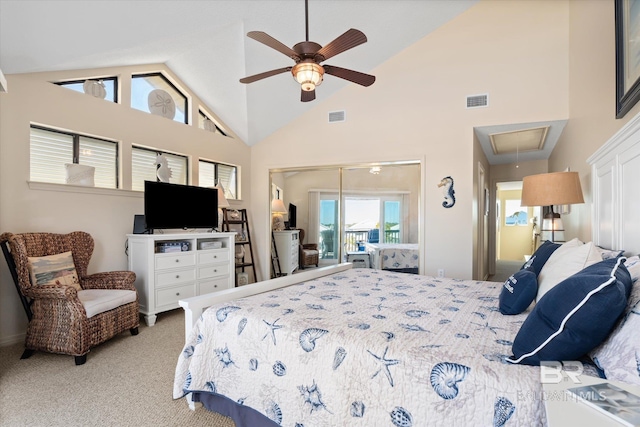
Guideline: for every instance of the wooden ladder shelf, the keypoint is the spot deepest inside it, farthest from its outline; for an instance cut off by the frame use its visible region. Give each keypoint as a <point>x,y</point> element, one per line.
<point>243,238</point>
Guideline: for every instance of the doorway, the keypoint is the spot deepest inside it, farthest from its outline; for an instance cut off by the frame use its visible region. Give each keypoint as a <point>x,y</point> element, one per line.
<point>517,231</point>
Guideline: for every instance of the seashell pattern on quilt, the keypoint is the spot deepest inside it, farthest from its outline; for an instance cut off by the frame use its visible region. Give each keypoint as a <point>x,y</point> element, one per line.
<point>366,348</point>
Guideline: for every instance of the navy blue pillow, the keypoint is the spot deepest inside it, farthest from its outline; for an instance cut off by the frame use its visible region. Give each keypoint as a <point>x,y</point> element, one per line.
<point>518,292</point>
<point>540,257</point>
<point>554,331</point>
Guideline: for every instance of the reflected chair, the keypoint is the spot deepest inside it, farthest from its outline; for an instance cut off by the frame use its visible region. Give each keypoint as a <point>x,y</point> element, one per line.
<point>308,253</point>
<point>373,236</point>
<point>62,318</point>
<point>328,250</point>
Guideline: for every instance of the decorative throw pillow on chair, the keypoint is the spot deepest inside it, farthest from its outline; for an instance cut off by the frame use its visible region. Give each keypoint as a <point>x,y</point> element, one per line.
<point>80,174</point>
<point>56,269</point>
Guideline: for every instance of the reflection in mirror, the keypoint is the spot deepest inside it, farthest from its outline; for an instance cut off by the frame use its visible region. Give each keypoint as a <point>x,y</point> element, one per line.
<point>353,213</point>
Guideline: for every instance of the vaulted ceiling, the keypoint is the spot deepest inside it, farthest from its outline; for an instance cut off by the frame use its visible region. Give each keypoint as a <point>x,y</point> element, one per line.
<point>204,43</point>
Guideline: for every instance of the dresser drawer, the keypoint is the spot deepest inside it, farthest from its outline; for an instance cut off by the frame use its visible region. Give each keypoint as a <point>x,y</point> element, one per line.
<point>213,271</point>
<point>173,295</point>
<point>210,257</point>
<point>212,285</point>
<point>166,261</point>
<point>175,277</point>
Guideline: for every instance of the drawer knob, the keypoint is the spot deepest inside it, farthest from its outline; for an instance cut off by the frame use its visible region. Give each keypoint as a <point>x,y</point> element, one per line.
<point>215,286</point>
<point>177,276</point>
<point>215,256</point>
<point>177,293</point>
<point>177,260</point>
<point>215,271</point>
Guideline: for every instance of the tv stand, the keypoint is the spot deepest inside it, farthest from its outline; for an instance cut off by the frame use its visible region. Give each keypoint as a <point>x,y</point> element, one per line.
<point>170,267</point>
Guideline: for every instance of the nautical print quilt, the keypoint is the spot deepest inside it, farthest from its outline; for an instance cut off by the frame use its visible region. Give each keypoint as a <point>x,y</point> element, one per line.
<point>366,348</point>
<point>394,255</point>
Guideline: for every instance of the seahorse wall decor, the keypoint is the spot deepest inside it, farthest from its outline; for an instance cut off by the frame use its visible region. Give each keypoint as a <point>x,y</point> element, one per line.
<point>449,193</point>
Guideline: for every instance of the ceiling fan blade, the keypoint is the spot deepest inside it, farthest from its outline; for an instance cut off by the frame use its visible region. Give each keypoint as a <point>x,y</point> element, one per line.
<point>266,39</point>
<point>346,41</point>
<point>353,76</point>
<point>306,96</point>
<point>256,77</point>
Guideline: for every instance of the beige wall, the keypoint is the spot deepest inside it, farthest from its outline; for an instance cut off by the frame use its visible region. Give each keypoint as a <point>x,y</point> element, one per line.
<point>107,215</point>
<point>517,52</point>
<point>592,102</point>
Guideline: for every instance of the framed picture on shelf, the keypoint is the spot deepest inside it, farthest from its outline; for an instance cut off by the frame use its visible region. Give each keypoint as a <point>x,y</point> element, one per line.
<point>627,27</point>
<point>243,278</point>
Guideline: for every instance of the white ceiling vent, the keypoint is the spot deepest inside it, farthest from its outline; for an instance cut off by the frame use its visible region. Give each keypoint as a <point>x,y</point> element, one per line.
<point>477,101</point>
<point>337,116</point>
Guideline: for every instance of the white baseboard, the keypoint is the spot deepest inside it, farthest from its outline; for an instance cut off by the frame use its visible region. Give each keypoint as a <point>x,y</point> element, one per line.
<point>13,339</point>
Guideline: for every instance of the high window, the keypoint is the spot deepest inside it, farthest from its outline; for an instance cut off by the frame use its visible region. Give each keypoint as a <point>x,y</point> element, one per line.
<point>227,175</point>
<point>207,123</point>
<point>52,150</point>
<point>103,88</point>
<point>155,94</point>
<point>144,167</point>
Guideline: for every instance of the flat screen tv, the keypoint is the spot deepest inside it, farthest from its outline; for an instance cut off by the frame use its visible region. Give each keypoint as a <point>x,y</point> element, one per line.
<point>179,206</point>
<point>292,216</point>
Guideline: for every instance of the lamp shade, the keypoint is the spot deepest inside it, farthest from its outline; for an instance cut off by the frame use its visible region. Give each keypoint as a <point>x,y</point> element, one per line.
<point>222,201</point>
<point>557,188</point>
<point>277,206</point>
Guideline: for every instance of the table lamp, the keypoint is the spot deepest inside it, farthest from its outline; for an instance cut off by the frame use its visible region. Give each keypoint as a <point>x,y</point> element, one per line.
<point>277,209</point>
<point>548,189</point>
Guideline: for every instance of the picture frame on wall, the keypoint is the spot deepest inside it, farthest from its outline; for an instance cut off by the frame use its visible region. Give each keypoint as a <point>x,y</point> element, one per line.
<point>627,29</point>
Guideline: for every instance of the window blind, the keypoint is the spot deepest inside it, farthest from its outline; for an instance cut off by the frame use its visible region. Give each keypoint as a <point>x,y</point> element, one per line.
<point>102,155</point>
<point>49,152</point>
<point>143,167</point>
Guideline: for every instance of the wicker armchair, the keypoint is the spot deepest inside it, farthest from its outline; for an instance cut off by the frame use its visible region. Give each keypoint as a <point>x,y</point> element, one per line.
<point>308,253</point>
<point>58,321</point>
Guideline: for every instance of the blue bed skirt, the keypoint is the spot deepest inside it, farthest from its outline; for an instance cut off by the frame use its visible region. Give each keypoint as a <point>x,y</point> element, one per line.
<point>242,416</point>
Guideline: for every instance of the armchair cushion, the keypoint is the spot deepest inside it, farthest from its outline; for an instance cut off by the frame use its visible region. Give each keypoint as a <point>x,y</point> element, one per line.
<point>57,269</point>
<point>96,301</point>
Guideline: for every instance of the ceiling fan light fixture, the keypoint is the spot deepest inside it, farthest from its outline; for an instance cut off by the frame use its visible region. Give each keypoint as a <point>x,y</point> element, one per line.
<point>308,74</point>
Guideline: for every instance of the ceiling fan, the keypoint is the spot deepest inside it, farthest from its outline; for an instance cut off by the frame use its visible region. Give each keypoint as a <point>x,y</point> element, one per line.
<point>308,55</point>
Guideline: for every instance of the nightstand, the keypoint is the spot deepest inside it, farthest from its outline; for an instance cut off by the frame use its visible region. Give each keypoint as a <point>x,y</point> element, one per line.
<point>564,410</point>
<point>359,259</point>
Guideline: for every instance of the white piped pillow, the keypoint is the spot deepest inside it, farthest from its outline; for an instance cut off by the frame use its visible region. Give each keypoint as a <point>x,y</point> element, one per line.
<point>566,261</point>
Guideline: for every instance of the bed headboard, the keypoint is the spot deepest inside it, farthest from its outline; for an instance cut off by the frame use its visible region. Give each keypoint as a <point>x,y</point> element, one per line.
<point>615,184</point>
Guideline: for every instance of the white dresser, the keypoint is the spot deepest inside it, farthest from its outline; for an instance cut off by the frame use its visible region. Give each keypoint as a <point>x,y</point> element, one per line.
<point>171,267</point>
<point>287,243</point>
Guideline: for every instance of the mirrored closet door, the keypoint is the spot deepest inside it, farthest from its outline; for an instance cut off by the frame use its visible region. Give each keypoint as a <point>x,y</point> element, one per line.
<point>347,211</point>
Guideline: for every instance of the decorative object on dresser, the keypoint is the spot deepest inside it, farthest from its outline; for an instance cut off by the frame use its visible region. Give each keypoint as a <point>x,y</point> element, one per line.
<point>309,253</point>
<point>223,203</point>
<point>277,209</point>
<point>548,189</point>
<point>287,243</point>
<point>73,315</point>
<point>163,278</point>
<point>239,218</point>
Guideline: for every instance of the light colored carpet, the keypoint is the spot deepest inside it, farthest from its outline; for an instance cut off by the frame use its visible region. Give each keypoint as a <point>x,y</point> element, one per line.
<point>127,381</point>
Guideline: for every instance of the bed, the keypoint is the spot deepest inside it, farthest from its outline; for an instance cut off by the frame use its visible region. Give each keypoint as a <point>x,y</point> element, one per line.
<point>402,257</point>
<point>365,347</point>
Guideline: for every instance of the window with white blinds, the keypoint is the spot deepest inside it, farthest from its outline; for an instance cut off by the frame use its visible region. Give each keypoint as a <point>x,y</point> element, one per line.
<point>50,150</point>
<point>225,174</point>
<point>143,167</point>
